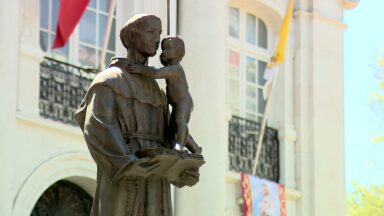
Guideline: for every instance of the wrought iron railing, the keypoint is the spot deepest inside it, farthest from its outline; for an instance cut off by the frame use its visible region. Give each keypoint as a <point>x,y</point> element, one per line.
<point>243,137</point>
<point>62,87</point>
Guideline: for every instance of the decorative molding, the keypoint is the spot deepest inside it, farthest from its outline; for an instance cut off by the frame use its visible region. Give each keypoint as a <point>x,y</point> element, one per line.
<point>293,194</point>
<point>49,123</point>
<point>30,52</point>
<point>59,167</point>
<point>350,4</point>
<point>287,134</point>
<point>320,17</point>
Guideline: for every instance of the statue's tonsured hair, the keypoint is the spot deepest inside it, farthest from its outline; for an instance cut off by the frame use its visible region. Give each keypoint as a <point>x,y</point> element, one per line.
<point>134,24</point>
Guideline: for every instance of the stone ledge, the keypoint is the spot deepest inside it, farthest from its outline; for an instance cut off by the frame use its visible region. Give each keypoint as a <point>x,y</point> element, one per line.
<point>48,123</point>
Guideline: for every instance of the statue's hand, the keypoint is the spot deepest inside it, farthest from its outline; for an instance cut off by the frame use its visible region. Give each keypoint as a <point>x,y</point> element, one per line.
<point>142,168</point>
<point>188,177</point>
<point>133,68</point>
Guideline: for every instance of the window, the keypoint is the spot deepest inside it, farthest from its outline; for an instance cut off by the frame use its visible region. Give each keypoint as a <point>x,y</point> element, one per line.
<point>85,44</point>
<point>91,34</point>
<point>247,60</point>
<point>234,82</point>
<point>251,29</point>
<point>234,22</point>
<point>49,10</point>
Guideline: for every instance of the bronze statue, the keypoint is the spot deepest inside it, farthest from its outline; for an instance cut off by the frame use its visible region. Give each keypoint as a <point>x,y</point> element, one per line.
<point>125,121</point>
<point>173,50</point>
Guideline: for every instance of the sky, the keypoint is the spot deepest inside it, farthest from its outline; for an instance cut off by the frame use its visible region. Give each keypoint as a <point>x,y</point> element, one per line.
<point>363,43</point>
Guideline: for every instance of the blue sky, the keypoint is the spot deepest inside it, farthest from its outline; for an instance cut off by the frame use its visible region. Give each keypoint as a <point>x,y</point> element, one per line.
<point>364,40</point>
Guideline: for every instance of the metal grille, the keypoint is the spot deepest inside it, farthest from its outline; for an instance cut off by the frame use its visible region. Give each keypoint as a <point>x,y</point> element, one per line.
<point>63,198</point>
<point>243,137</point>
<point>62,87</point>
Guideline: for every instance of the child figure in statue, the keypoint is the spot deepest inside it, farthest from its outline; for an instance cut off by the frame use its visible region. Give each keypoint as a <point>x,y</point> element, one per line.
<point>177,92</point>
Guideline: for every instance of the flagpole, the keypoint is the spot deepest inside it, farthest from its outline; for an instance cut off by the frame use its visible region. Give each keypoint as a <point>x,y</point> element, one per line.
<point>276,60</point>
<point>168,17</point>
<point>107,33</point>
<point>263,125</point>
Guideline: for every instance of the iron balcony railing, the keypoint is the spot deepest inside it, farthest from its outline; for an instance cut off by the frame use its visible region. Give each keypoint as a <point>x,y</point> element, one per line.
<point>243,137</point>
<point>62,87</point>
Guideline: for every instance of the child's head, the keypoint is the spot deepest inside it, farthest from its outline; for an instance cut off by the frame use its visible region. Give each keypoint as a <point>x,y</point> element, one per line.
<point>173,50</point>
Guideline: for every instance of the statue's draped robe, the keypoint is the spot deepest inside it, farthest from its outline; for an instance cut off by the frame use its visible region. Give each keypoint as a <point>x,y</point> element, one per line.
<point>120,114</point>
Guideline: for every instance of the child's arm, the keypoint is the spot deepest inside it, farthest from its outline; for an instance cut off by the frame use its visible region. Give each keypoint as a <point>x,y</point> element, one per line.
<point>142,69</point>
<point>162,73</point>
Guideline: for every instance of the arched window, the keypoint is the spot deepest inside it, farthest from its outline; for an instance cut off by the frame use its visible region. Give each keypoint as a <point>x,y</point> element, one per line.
<point>248,44</point>
<point>63,198</point>
<point>85,44</point>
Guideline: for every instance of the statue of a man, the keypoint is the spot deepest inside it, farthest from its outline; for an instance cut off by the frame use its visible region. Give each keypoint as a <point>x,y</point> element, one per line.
<point>123,113</point>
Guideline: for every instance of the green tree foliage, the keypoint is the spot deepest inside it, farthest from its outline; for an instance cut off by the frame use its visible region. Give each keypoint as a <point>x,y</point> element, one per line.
<point>366,201</point>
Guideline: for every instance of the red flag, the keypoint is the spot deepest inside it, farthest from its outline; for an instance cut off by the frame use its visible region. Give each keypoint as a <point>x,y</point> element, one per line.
<point>69,15</point>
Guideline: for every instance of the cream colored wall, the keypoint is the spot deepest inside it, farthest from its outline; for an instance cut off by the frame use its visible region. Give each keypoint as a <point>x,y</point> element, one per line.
<point>213,31</point>
<point>37,151</point>
<point>201,26</point>
<point>308,100</point>
<point>318,108</point>
<point>281,114</point>
<point>9,19</point>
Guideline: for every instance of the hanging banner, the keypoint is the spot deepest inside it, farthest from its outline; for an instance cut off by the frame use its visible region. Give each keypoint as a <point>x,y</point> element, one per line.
<point>262,197</point>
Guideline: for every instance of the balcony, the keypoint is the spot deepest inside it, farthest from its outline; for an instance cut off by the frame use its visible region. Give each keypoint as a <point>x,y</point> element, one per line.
<point>62,87</point>
<point>243,138</point>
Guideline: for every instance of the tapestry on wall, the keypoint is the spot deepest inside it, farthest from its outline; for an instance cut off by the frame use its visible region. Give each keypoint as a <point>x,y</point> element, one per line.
<point>262,197</point>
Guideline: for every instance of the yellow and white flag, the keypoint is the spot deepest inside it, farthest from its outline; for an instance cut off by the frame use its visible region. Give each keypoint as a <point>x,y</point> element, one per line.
<point>279,54</point>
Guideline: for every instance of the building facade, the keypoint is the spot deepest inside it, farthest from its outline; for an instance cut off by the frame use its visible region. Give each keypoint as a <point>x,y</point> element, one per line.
<point>228,44</point>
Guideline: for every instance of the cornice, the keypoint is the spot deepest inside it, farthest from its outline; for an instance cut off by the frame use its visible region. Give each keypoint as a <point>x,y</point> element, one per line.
<point>350,4</point>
